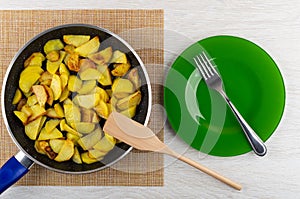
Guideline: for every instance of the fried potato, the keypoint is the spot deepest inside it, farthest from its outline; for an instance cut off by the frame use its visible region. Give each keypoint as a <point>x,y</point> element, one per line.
<point>89,47</point>
<point>76,40</point>
<point>72,113</point>
<point>122,87</point>
<point>133,76</point>
<point>56,144</point>
<point>52,67</point>
<point>66,152</point>
<point>130,112</point>
<point>127,102</point>
<point>88,141</point>
<point>56,87</point>
<point>54,44</point>
<point>27,81</point>
<point>40,94</point>
<point>102,109</point>
<point>54,134</point>
<point>37,111</point>
<point>76,156</point>
<point>74,83</point>
<point>89,74</point>
<point>87,159</point>
<point>17,97</point>
<point>101,57</point>
<point>105,77</point>
<point>87,101</point>
<point>120,69</point>
<point>36,59</point>
<point>87,87</point>
<point>86,63</point>
<point>118,57</point>
<point>73,62</point>
<point>51,125</point>
<point>83,127</point>
<point>32,129</point>
<point>53,56</point>
<point>106,144</point>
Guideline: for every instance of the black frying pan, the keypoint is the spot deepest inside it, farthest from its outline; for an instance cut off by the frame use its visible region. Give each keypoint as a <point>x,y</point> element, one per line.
<point>19,164</point>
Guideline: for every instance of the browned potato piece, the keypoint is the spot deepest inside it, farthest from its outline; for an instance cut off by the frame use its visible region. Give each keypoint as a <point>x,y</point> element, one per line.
<point>122,88</point>
<point>133,76</point>
<point>40,146</point>
<point>40,94</point>
<point>76,40</point>
<point>53,56</point>
<point>120,69</point>
<point>101,57</point>
<point>73,62</point>
<point>45,76</point>
<point>35,59</point>
<point>37,111</point>
<point>69,49</point>
<point>89,47</point>
<point>52,113</point>
<point>52,67</point>
<point>132,100</point>
<point>88,115</point>
<point>86,63</point>
<point>66,152</point>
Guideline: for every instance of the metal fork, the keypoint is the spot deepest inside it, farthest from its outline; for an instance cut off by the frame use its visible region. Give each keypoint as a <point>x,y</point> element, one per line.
<point>214,81</point>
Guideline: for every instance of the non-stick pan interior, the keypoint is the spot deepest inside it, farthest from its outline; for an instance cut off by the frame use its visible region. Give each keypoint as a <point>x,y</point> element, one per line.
<point>16,128</point>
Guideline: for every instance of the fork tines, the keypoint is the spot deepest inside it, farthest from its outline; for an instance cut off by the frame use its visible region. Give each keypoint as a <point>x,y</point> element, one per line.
<point>205,66</point>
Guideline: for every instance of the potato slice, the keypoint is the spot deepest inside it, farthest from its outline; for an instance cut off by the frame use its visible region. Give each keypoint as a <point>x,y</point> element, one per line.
<point>40,146</point>
<point>64,78</point>
<point>89,47</point>
<point>40,94</point>
<point>72,137</point>
<point>88,141</point>
<point>37,111</point>
<point>86,63</point>
<point>63,69</point>
<point>132,100</point>
<point>56,144</point>
<point>101,57</point>
<point>51,125</point>
<point>93,153</point>
<point>55,134</point>
<point>130,112</point>
<point>103,94</point>
<point>102,109</point>
<point>52,67</point>
<point>76,40</point>
<point>56,86</point>
<point>72,113</point>
<point>45,76</point>
<point>90,74</point>
<point>76,157</point>
<point>64,95</point>
<point>50,95</point>
<point>87,101</point>
<point>87,159</point>
<point>118,57</point>
<point>53,56</point>
<point>120,69</point>
<point>106,144</point>
<point>27,81</point>
<point>54,44</point>
<point>88,115</point>
<point>65,127</point>
<point>73,62</point>
<point>83,127</point>
<point>17,97</point>
<point>66,152</point>
<point>74,83</point>
<point>52,113</point>
<point>32,100</point>
<point>105,78</point>
<point>58,109</point>
<point>87,87</point>
<point>27,110</point>
<point>35,59</point>
<point>32,129</point>
<point>122,87</point>
<point>133,76</point>
<point>22,116</point>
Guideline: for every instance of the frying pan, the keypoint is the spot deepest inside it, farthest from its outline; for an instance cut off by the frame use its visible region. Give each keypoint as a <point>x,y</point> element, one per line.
<point>19,164</point>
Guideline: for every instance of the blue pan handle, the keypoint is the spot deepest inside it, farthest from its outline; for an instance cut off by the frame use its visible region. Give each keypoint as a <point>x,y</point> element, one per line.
<point>14,169</point>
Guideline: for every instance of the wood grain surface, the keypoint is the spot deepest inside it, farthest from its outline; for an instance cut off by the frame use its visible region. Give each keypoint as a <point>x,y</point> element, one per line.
<point>272,24</point>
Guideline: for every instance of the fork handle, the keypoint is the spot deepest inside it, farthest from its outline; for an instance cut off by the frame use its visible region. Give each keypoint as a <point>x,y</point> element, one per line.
<point>256,143</point>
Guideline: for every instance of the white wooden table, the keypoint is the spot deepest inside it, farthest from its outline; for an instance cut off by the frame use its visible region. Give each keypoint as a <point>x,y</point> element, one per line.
<point>272,24</point>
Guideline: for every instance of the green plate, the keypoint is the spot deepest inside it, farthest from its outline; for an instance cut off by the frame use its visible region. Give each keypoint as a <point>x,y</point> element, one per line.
<point>251,80</point>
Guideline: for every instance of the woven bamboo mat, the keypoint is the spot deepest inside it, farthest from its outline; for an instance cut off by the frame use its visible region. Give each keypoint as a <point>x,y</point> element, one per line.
<point>143,29</point>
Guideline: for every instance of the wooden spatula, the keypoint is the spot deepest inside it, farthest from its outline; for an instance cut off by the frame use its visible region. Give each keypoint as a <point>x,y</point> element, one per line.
<point>142,138</point>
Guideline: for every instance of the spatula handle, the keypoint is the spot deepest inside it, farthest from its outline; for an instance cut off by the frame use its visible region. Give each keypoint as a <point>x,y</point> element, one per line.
<point>203,168</point>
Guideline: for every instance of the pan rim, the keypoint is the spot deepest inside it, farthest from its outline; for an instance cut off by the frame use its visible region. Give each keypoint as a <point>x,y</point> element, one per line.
<point>8,70</point>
